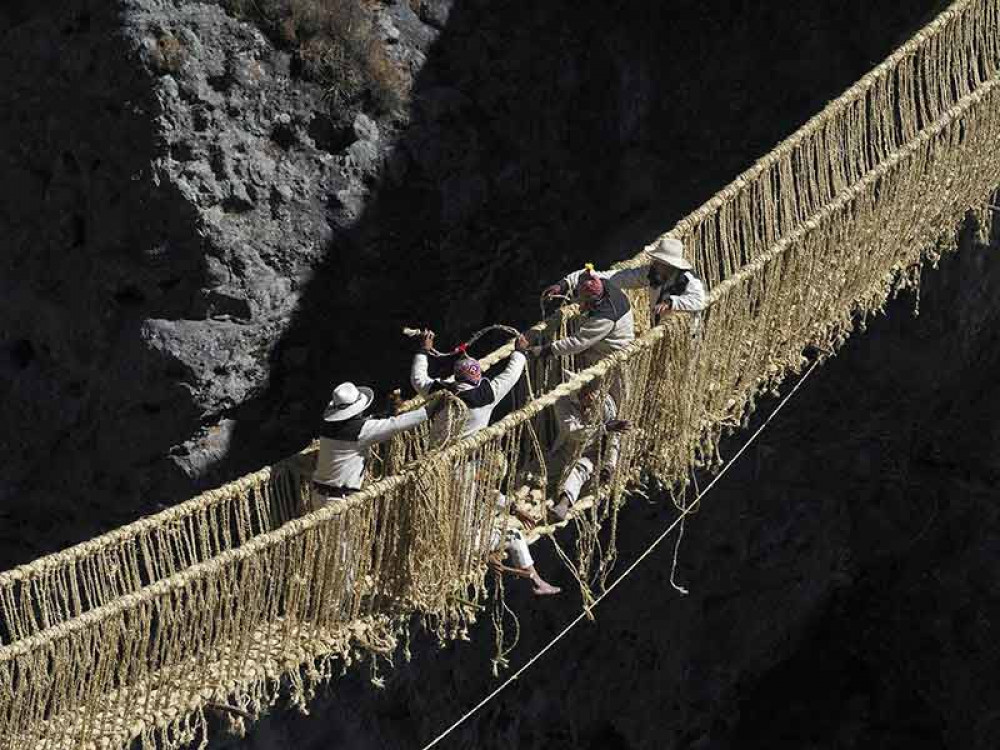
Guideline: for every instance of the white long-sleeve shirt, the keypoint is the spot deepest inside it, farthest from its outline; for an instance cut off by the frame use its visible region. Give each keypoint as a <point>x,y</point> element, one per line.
<point>344,446</point>
<point>478,416</point>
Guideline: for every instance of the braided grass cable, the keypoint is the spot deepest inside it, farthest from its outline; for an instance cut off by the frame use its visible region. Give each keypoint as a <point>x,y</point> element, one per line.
<point>65,584</point>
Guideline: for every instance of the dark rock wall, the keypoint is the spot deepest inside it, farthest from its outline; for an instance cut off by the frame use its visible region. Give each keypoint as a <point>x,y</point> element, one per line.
<point>95,246</point>
<point>163,201</point>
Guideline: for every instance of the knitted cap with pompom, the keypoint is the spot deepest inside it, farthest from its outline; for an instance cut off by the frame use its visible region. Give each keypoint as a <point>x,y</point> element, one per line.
<point>467,369</point>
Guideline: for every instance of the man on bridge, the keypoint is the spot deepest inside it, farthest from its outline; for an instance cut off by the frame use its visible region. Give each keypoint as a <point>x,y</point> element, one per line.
<point>668,276</point>
<point>346,435</point>
<point>589,436</point>
<point>482,396</point>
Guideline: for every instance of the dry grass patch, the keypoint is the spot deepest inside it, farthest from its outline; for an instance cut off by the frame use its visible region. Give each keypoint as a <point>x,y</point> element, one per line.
<point>336,44</point>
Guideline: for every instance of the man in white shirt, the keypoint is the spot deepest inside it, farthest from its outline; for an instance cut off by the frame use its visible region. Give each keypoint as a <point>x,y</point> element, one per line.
<point>672,285</point>
<point>482,395</point>
<point>346,437</point>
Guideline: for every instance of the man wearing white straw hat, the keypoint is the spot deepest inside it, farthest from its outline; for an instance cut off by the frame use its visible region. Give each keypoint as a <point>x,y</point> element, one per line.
<point>672,285</point>
<point>346,436</point>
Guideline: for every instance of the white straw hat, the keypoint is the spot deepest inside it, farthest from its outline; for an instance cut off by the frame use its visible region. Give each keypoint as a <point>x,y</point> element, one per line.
<point>347,401</point>
<point>669,251</point>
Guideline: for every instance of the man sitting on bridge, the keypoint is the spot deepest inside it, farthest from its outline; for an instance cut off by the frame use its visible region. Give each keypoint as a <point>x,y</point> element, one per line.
<point>346,435</point>
<point>589,435</point>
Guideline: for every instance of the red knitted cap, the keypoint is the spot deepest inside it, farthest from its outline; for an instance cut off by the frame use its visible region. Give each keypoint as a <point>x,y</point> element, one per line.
<point>468,370</point>
<point>590,288</point>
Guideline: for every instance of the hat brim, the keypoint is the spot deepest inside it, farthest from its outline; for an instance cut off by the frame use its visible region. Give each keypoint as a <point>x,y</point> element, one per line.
<point>677,261</point>
<point>333,414</point>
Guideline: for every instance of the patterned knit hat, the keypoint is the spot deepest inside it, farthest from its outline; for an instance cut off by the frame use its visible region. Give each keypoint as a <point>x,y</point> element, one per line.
<point>468,371</point>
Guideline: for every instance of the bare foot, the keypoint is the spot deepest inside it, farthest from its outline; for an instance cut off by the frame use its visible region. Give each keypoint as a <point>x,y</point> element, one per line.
<point>539,586</point>
<point>544,588</point>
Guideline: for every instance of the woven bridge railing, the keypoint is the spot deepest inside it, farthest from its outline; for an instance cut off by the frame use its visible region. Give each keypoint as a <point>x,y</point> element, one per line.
<point>133,634</point>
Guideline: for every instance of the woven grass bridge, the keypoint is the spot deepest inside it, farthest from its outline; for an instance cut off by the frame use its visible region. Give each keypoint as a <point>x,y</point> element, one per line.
<point>243,592</point>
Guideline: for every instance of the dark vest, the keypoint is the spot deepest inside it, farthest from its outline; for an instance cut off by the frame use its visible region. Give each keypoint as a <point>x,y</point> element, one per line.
<point>474,398</point>
<point>347,431</point>
<point>674,290</point>
<point>612,306</point>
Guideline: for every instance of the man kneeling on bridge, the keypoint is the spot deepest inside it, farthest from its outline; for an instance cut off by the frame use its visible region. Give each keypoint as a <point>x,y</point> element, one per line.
<point>607,326</point>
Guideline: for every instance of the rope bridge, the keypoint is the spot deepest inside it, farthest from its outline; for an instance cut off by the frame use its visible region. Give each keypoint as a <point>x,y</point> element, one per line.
<point>243,592</point>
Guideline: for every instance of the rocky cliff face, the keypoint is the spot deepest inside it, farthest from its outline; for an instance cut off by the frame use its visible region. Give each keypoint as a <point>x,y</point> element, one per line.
<point>197,243</point>
<point>170,187</point>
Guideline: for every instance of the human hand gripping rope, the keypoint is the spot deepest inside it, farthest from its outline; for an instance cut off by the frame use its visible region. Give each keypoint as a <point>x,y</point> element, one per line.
<point>427,336</point>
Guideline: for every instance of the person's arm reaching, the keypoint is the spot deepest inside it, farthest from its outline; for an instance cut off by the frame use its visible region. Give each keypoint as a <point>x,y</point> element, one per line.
<point>506,380</point>
<point>631,278</point>
<point>693,298</point>
<point>380,430</point>
<point>592,331</point>
<point>419,379</point>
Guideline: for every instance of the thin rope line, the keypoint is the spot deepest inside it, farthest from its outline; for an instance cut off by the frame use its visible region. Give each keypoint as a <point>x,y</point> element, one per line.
<point>649,550</point>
